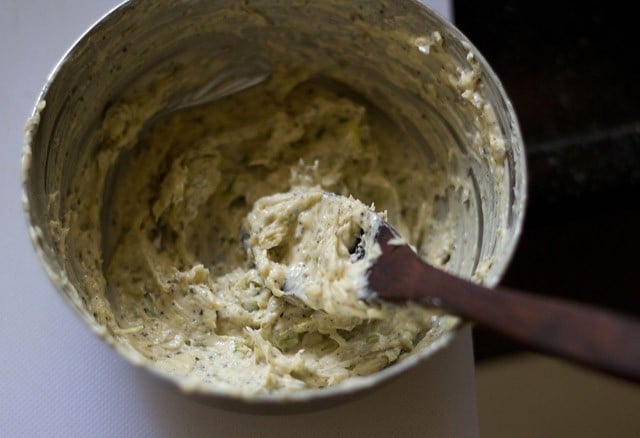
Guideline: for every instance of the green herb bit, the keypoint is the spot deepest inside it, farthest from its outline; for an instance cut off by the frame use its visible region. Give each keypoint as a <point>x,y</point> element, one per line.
<point>372,338</point>
<point>241,348</point>
<point>331,160</point>
<point>403,180</point>
<point>392,355</point>
<point>288,341</point>
<point>251,306</point>
<point>256,288</point>
<point>229,189</point>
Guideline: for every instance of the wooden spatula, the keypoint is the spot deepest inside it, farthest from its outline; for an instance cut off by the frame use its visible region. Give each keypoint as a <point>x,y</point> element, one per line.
<point>582,334</point>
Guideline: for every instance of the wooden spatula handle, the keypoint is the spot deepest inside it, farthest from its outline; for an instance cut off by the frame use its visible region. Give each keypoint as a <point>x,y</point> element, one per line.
<point>592,337</point>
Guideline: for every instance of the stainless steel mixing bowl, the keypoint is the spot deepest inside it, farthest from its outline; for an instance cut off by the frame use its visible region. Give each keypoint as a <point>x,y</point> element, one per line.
<point>446,102</point>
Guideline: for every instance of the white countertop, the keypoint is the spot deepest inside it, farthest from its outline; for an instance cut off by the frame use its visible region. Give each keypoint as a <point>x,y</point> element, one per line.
<point>58,379</point>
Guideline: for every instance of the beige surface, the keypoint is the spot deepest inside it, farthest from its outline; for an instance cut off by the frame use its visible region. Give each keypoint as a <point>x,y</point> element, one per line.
<point>534,396</point>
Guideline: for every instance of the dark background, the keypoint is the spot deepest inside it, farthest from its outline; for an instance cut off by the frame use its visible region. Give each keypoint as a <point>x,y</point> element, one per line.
<point>572,72</point>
